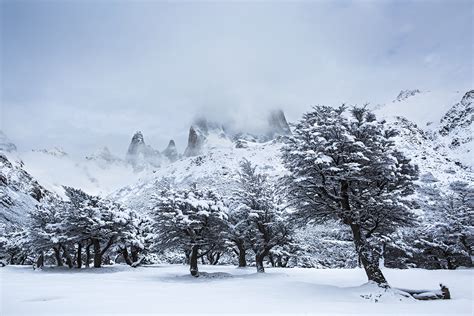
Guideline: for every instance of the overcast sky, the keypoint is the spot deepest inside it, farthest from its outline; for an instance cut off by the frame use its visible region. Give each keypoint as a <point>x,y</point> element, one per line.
<point>82,75</point>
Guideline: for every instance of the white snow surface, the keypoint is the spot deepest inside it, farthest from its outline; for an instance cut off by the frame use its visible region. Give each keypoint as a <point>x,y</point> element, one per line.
<point>169,289</point>
<point>426,107</point>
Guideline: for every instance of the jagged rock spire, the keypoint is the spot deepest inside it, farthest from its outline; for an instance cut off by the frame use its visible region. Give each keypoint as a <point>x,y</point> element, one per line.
<point>277,124</point>
<point>171,152</point>
<point>139,154</point>
<point>136,143</point>
<point>195,142</point>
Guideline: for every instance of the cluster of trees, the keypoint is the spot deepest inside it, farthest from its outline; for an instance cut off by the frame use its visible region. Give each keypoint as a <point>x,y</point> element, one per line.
<point>79,231</point>
<point>343,171</point>
<point>202,223</point>
<point>444,239</point>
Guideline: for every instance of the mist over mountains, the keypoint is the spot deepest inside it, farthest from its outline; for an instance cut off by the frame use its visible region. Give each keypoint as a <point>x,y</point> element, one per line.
<point>440,141</point>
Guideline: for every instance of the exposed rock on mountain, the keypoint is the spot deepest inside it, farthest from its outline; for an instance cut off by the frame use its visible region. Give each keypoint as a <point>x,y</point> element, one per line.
<point>56,151</point>
<point>19,191</point>
<point>199,131</point>
<point>457,122</point>
<point>202,129</point>
<point>195,142</point>
<point>139,155</point>
<point>171,152</point>
<point>405,94</point>
<point>278,126</point>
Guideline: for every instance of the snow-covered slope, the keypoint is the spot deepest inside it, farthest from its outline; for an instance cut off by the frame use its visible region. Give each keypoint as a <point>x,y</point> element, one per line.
<point>442,149</point>
<point>215,156</point>
<point>425,108</point>
<point>437,126</point>
<point>217,167</point>
<point>19,191</point>
<point>95,174</point>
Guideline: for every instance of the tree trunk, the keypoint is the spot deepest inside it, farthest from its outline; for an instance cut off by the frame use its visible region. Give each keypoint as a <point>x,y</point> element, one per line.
<point>88,255</point>
<point>187,255</point>
<point>57,255</point>
<point>67,256</point>
<point>259,262</point>
<point>363,249</point>
<point>126,257</point>
<point>242,260</point>
<point>272,261</point>
<point>79,256</point>
<point>193,261</point>
<point>216,260</point>
<point>97,253</point>
<point>366,257</point>
<point>135,251</point>
<point>40,261</point>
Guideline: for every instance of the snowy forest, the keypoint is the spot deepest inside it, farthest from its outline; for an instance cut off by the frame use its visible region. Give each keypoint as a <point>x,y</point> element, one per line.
<point>343,171</point>
<point>236,157</point>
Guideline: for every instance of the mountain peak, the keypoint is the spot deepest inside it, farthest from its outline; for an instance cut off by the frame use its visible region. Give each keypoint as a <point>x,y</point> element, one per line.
<point>139,154</point>
<point>277,124</point>
<point>195,141</point>
<point>171,152</point>
<point>457,122</point>
<point>138,138</point>
<point>405,94</point>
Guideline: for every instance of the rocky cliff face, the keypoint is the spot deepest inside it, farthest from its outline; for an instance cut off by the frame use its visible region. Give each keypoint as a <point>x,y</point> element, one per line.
<point>202,130</point>
<point>19,191</point>
<point>405,94</point>
<point>171,152</point>
<point>139,155</point>
<point>278,126</point>
<point>199,133</point>
<point>457,122</point>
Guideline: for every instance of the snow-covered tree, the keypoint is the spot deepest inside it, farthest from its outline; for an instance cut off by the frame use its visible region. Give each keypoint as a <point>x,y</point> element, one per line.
<point>237,232</point>
<point>192,220</point>
<point>446,236</point>
<point>98,222</point>
<point>14,245</point>
<point>47,229</point>
<point>135,241</point>
<point>345,165</point>
<point>260,216</point>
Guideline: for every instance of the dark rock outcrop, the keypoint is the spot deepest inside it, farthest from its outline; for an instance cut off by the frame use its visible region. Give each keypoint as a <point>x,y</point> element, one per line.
<point>171,152</point>
<point>278,126</point>
<point>195,142</point>
<point>139,155</point>
<point>405,94</point>
<point>458,120</point>
<point>19,192</point>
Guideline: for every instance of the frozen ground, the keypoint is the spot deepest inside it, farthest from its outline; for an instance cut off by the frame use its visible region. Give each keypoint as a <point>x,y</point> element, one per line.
<point>168,289</point>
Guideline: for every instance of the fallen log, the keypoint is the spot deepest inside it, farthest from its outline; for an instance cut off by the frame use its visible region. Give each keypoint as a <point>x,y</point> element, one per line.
<point>425,295</point>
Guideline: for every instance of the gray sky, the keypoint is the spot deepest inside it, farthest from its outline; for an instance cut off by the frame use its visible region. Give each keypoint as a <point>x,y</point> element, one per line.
<point>82,75</point>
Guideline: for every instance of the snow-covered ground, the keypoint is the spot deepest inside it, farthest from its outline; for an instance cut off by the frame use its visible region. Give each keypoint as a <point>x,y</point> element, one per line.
<point>169,289</point>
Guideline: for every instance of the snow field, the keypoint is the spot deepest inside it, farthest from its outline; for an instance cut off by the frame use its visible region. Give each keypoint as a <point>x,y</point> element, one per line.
<point>169,289</point>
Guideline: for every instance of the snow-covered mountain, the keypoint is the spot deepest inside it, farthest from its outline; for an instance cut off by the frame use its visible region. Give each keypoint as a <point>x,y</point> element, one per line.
<point>445,120</point>
<point>213,155</point>
<point>434,130</point>
<point>19,191</point>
